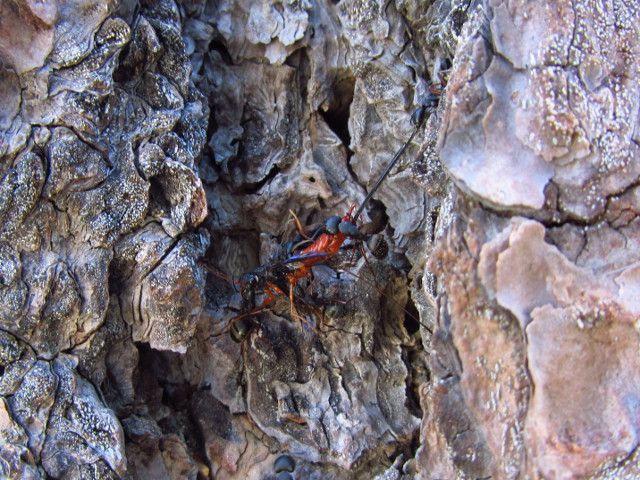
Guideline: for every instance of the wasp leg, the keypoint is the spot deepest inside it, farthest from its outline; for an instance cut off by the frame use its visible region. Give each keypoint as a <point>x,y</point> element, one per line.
<point>299,225</point>
<point>295,314</point>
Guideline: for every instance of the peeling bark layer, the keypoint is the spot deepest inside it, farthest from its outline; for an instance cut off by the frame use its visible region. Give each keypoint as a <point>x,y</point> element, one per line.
<point>535,320</point>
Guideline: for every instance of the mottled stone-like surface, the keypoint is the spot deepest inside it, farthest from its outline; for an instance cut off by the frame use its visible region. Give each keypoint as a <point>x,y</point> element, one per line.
<point>535,320</point>
<point>75,195</point>
<point>544,107</point>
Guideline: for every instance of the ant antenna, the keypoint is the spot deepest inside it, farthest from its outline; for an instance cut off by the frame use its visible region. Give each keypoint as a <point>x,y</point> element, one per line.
<point>417,118</point>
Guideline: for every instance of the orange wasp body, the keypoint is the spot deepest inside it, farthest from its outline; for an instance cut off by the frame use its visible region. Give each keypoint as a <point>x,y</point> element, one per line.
<point>274,278</point>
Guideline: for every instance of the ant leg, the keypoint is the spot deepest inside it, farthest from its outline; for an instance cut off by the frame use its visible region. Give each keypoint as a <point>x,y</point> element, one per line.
<point>270,291</point>
<point>321,316</point>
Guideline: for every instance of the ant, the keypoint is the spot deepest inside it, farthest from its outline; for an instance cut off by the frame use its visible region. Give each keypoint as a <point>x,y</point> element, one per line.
<point>431,101</point>
<point>319,245</point>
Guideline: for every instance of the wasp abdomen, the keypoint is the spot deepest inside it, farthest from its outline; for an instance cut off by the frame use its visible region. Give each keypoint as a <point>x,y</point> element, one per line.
<point>378,246</point>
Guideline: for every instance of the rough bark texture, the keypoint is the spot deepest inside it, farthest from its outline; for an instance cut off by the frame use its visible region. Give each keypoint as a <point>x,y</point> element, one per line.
<point>140,141</point>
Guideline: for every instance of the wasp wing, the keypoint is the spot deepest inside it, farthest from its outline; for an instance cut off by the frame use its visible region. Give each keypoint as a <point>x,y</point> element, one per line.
<point>304,258</point>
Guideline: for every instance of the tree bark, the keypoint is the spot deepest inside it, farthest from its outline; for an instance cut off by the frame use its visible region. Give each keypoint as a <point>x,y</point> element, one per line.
<point>152,152</point>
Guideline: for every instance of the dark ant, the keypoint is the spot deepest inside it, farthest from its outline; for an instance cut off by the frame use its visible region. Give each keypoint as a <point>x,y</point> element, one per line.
<point>431,101</point>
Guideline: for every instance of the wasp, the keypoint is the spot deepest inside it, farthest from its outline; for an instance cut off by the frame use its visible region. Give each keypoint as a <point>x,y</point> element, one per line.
<point>278,277</point>
<point>317,244</point>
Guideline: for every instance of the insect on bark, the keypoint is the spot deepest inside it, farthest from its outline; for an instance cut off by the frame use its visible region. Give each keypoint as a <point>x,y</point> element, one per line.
<point>308,249</point>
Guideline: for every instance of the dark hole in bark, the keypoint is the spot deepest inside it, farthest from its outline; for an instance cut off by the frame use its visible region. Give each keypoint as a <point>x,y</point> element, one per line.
<point>378,215</point>
<point>337,115</point>
<point>123,73</point>
<point>411,318</point>
<point>222,50</point>
<point>157,198</point>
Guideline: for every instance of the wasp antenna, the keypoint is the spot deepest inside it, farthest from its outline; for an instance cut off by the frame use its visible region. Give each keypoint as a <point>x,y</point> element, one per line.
<point>387,170</point>
<point>212,270</point>
<point>298,224</point>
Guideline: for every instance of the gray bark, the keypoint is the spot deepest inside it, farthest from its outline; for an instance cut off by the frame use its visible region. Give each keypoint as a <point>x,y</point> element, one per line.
<point>143,141</point>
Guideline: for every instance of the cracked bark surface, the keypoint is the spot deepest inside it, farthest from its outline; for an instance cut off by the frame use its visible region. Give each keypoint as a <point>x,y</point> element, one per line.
<point>536,303</point>
<point>142,140</point>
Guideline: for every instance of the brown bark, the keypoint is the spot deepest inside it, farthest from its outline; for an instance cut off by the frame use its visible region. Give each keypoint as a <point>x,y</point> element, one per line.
<point>140,141</point>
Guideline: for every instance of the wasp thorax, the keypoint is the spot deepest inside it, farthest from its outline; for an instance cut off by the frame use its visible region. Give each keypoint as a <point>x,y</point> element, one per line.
<point>350,230</point>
